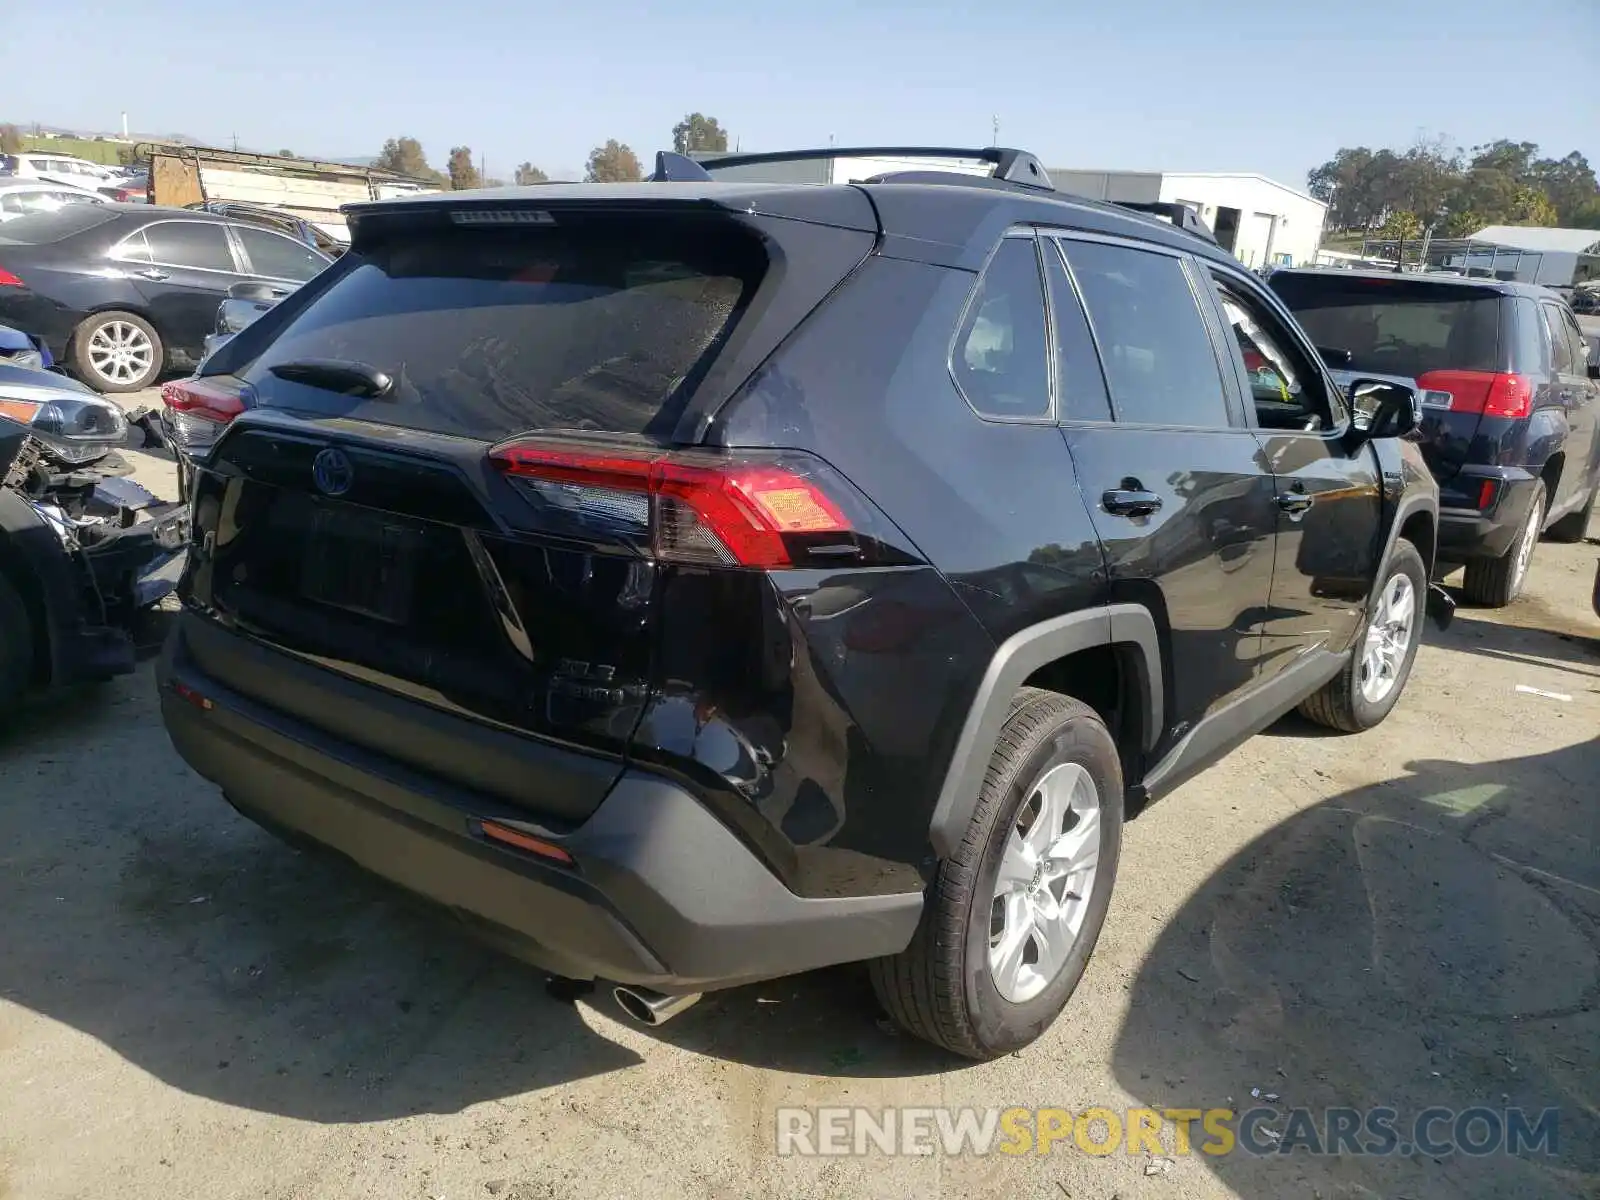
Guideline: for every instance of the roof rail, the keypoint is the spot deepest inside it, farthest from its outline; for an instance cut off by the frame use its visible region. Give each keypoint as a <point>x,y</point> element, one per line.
<point>1181,215</point>
<point>1013,166</point>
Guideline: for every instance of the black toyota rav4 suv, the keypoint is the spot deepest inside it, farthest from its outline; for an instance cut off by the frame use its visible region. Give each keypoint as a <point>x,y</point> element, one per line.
<point>689,583</point>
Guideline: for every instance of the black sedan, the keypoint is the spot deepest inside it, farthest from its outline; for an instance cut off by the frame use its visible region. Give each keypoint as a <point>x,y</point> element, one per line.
<point>124,292</point>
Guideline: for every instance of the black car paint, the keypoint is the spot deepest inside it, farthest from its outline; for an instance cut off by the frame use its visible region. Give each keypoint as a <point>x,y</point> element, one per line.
<point>821,715</point>
<point>1556,447</point>
<point>67,281</point>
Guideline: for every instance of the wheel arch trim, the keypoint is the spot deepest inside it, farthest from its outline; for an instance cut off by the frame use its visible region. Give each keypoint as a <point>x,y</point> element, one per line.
<point>1018,657</point>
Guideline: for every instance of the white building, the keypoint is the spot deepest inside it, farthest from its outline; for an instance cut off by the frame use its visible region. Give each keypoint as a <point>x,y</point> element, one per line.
<point>1260,220</point>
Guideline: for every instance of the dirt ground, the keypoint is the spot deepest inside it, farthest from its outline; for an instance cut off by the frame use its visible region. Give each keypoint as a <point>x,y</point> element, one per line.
<point>1406,918</point>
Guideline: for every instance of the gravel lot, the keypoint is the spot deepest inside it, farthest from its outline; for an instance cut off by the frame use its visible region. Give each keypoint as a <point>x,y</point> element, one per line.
<point>1405,918</point>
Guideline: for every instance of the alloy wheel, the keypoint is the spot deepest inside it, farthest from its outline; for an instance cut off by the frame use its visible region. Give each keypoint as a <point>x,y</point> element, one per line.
<point>120,352</point>
<point>1046,876</point>
<point>1389,634</point>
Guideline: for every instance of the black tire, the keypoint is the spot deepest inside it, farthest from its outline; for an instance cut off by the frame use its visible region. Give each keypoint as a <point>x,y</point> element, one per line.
<point>16,648</point>
<point>1340,703</point>
<point>83,364</point>
<point>1573,526</point>
<point>940,987</point>
<point>1496,582</point>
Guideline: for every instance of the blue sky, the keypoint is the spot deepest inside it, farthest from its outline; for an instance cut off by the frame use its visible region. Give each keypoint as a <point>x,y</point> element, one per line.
<point>1273,87</point>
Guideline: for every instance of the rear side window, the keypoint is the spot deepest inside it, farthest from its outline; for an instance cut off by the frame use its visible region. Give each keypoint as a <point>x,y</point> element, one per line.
<point>43,229</point>
<point>1159,360</point>
<point>1397,326</point>
<point>190,244</point>
<point>1001,359</point>
<point>605,325</point>
<point>279,257</point>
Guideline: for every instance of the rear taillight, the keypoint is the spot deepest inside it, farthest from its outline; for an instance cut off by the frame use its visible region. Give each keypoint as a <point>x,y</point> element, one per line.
<point>7,279</point>
<point>198,410</point>
<point>1492,393</point>
<point>697,506</point>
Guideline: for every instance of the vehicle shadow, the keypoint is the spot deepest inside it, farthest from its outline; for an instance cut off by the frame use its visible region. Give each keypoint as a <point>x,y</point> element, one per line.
<point>137,908</point>
<point>1430,940</point>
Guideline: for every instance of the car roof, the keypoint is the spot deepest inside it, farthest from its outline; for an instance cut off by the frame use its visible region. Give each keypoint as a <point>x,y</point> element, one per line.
<point>1505,287</point>
<point>952,220</point>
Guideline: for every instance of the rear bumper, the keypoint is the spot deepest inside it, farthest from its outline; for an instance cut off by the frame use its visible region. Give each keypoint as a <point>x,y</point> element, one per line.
<point>1467,531</point>
<point>663,895</point>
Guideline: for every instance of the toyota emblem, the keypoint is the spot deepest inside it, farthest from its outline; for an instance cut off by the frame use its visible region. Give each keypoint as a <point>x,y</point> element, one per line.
<point>332,472</point>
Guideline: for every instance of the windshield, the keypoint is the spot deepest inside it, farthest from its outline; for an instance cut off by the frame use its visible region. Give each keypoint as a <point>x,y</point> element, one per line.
<point>1397,327</point>
<point>488,332</point>
<point>41,229</point>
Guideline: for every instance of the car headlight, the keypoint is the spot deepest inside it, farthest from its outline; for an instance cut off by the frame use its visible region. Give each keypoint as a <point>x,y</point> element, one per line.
<point>76,429</point>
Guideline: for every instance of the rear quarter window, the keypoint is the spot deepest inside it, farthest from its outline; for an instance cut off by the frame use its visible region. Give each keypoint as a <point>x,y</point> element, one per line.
<point>605,325</point>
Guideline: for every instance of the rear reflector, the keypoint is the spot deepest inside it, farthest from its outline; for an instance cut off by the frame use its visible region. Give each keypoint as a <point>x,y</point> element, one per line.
<point>1494,394</point>
<point>1486,493</point>
<point>693,508</point>
<point>200,410</point>
<point>184,692</point>
<point>507,836</point>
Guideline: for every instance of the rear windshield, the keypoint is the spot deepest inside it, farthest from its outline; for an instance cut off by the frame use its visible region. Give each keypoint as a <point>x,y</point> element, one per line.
<point>1397,327</point>
<point>41,229</point>
<point>603,325</point>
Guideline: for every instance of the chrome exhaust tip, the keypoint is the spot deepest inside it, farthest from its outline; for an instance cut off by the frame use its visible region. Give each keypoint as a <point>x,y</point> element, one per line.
<point>652,1008</point>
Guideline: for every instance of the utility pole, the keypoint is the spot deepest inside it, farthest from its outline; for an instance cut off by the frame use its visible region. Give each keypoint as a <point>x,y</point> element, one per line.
<point>995,122</point>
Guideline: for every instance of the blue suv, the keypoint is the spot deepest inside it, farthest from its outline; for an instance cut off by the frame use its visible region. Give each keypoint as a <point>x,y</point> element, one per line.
<point>1508,397</point>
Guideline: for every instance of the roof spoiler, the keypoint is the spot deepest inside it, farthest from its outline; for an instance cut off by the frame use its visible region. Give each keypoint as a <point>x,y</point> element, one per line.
<point>1011,166</point>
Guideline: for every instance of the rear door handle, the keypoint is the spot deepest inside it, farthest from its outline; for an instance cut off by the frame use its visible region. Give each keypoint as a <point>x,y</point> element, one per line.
<point>152,274</point>
<point>1296,504</point>
<point>1130,502</point>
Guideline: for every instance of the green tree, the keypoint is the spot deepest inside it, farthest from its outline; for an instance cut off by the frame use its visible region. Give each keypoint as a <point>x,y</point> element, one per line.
<point>1585,216</point>
<point>614,162</point>
<point>463,172</point>
<point>404,156</point>
<point>1401,224</point>
<point>10,139</point>
<point>285,153</point>
<point>528,173</point>
<point>1569,182</point>
<point>698,132</point>
<point>1514,158</point>
<point>1532,207</point>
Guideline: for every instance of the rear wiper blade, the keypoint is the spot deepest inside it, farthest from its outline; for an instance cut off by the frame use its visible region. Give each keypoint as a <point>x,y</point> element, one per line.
<point>342,375</point>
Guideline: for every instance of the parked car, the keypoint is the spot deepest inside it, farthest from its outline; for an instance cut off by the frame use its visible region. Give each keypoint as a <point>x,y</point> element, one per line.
<point>25,197</point>
<point>1509,404</point>
<point>122,293</point>
<point>84,552</point>
<point>60,168</point>
<point>690,583</point>
<point>20,349</point>
<point>308,232</point>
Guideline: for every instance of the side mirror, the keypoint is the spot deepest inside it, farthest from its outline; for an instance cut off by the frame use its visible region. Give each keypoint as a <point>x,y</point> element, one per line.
<point>1383,409</point>
<point>1334,356</point>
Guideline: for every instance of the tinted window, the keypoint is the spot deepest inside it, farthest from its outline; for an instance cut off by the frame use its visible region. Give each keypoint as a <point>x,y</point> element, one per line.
<point>605,326</point>
<point>1001,358</point>
<point>133,248</point>
<point>1530,345</point>
<point>277,256</point>
<point>190,244</point>
<point>1560,351</point>
<point>1577,346</point>
<point>1158,356</point>
<point>1397,326</point>
<point>1080,385</point>
<point>41,229</point>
